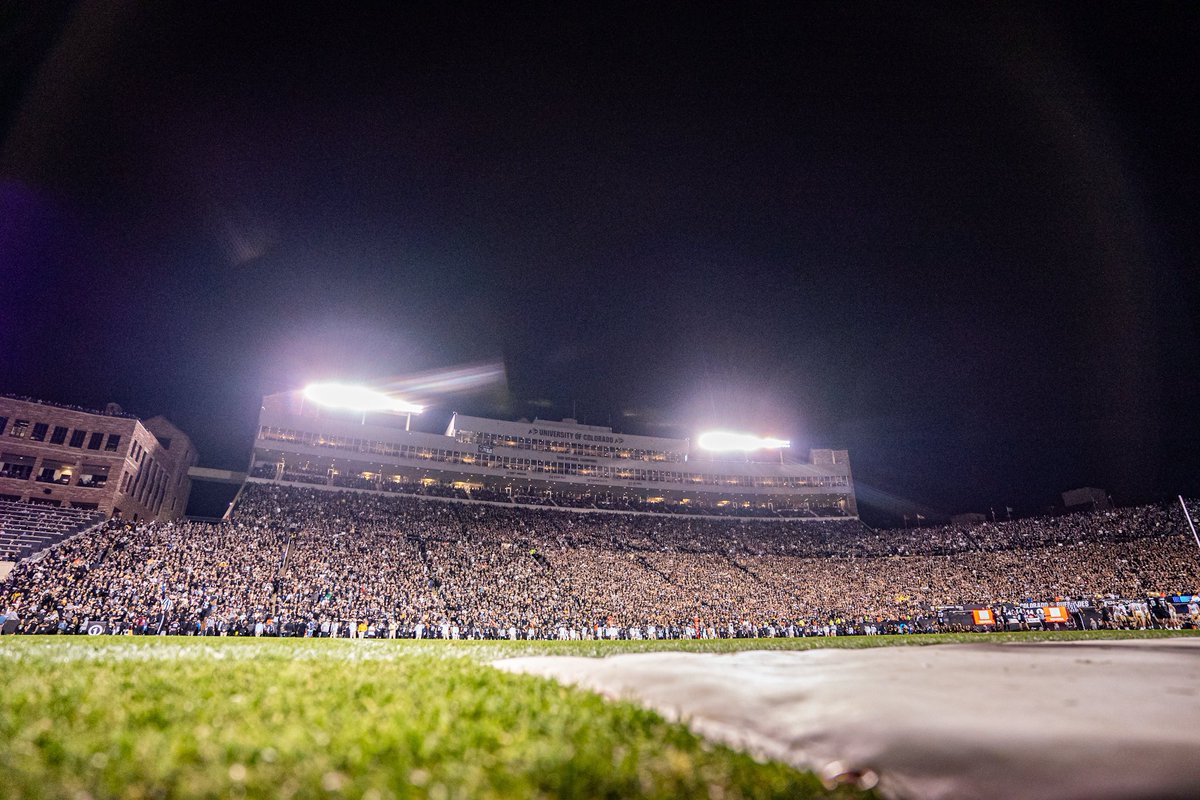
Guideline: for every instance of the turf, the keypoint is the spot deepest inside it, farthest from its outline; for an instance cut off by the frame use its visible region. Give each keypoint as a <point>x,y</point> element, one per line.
<point>176,717</point>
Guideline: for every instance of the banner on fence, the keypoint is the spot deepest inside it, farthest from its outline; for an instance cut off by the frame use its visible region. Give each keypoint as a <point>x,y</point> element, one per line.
<point>984,616</point>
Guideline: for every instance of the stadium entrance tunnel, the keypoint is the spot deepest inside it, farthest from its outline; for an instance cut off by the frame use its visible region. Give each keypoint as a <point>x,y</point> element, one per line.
<point>214,492</point>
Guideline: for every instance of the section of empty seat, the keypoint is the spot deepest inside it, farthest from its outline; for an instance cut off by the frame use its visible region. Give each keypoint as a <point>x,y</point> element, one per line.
<point>27,528</point>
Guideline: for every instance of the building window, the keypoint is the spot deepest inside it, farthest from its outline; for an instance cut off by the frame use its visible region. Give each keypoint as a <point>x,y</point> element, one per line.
<point>114,441</point>
<point>59,436</point>
<point>93,475</point>
<point>3,424</point>
<point>77,438</point>
<point>39,432</point>
<point>95,440</point>
<point>55,472</point>
<point>20,428</point>
<point>16,467</point>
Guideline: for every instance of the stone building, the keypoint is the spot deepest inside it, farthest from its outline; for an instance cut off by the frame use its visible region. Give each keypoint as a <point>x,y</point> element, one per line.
<point>108,461</point>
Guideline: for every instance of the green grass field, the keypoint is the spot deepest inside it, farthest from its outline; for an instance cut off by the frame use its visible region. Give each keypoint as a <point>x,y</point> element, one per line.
<point>177,717</point>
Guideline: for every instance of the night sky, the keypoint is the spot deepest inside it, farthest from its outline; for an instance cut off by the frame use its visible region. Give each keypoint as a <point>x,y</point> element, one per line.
<point>959,240</point>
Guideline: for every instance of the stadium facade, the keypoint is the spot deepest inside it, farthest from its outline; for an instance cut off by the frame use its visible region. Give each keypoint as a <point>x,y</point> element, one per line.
<point>105,461</point>
<point>555,460</point>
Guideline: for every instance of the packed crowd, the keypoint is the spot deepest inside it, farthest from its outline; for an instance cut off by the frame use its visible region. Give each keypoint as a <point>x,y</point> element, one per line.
<point>304,561</point>
<point>814,507</point>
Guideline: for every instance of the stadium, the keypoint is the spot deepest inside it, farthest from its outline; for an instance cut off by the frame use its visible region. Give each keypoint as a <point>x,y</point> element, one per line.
<point>558,463</point>
<point>715,401</point>
<point>518,542</point>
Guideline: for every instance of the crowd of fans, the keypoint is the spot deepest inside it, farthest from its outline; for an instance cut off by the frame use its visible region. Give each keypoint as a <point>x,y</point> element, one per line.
<point>584,499</point>
<point>111,410</point>
<point>304,561</point>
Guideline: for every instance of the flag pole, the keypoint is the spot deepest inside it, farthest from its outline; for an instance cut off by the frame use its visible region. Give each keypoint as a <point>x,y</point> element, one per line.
<point>1191,524</point>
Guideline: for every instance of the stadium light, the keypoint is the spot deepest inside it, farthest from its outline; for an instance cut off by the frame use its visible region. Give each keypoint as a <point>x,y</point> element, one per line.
<point>724,441</point>
<point>358,398</point>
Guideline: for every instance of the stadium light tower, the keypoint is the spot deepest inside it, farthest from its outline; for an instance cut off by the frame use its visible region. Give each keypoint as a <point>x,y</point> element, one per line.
<point>725,442</point>
<point>361,399</point>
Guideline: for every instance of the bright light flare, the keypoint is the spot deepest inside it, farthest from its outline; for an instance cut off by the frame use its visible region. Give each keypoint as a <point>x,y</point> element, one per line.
<point>723,441</point>
<point>464,378</point>
<point>358,398</point>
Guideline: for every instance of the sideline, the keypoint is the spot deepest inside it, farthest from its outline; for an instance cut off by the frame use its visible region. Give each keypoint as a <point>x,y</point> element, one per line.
<point>1096,718</point>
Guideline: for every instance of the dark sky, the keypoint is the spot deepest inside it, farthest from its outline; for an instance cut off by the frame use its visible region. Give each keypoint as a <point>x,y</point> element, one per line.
<point>959,240</point>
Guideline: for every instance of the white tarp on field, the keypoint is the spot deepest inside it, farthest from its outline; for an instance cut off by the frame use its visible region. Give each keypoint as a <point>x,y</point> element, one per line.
<point>1095,719</point>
